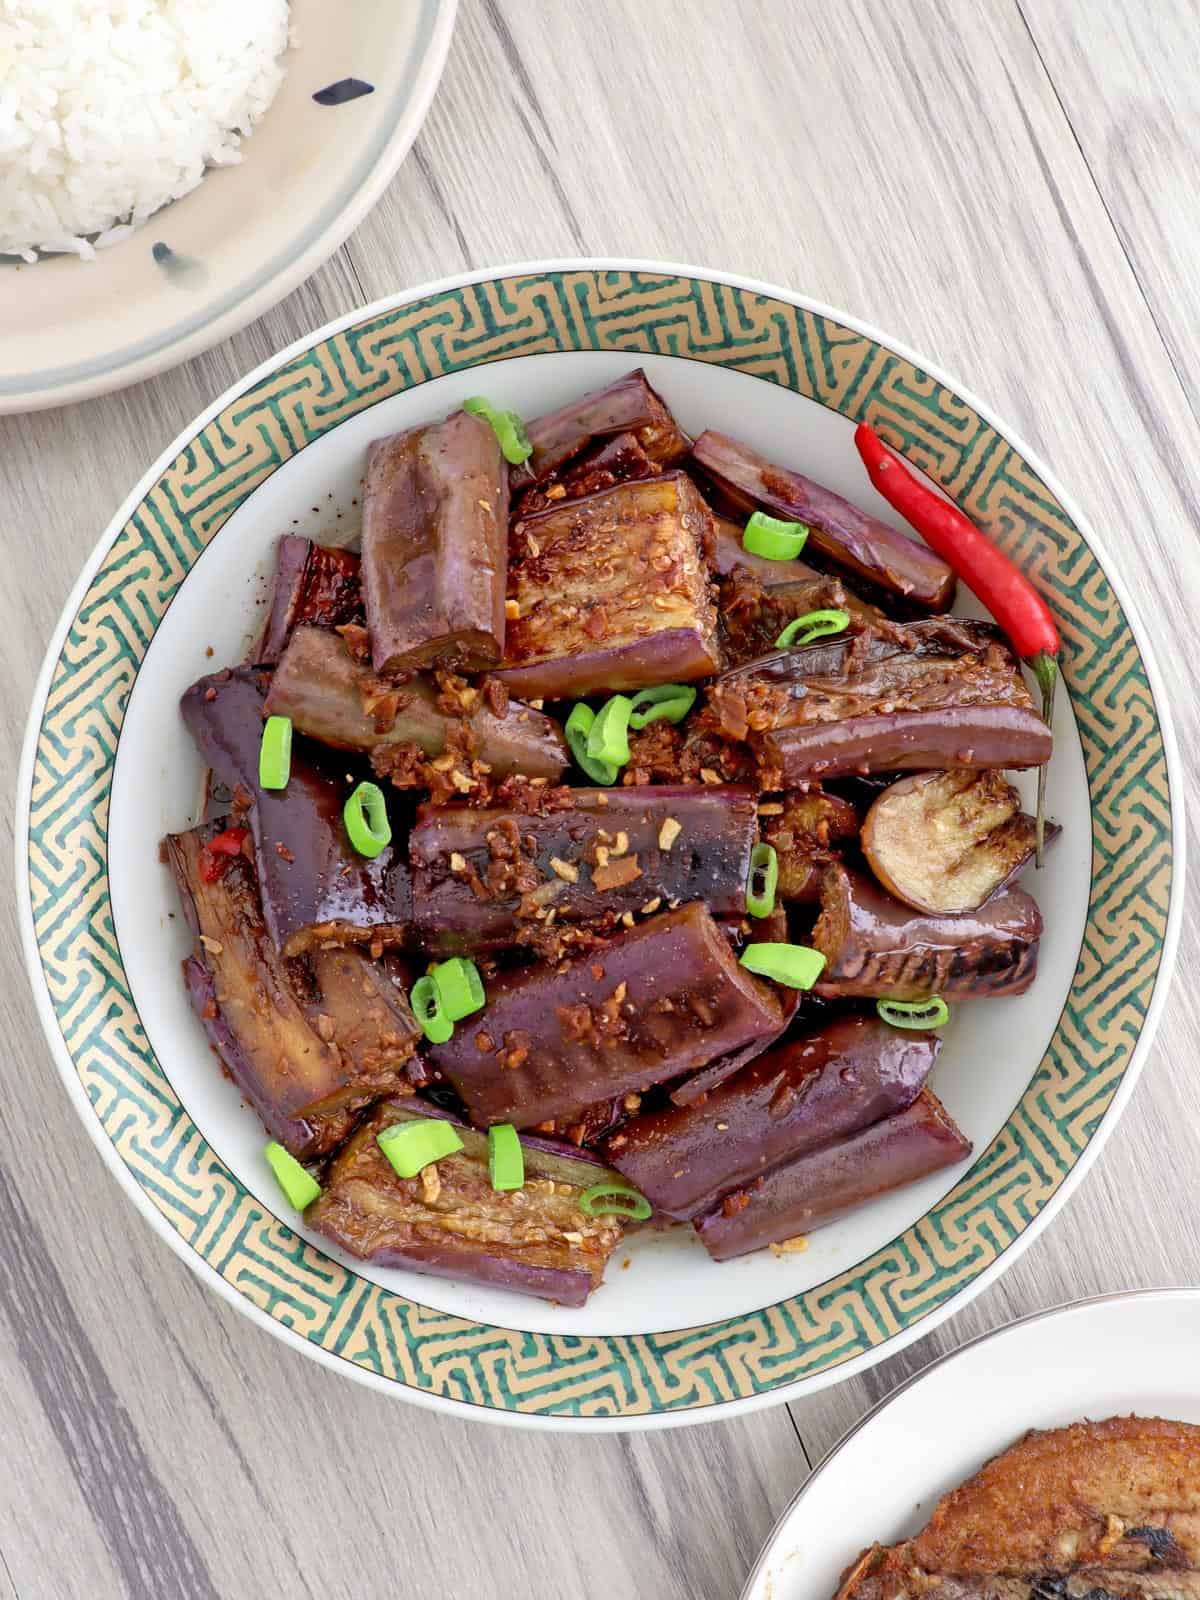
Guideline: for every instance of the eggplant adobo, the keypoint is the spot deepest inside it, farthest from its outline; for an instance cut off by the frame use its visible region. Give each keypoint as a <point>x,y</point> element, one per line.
<point>580,856</point>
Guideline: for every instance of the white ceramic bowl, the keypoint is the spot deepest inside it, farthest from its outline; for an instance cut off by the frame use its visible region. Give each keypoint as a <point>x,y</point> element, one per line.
<point>1036,1081</point>
<point>248,233</point>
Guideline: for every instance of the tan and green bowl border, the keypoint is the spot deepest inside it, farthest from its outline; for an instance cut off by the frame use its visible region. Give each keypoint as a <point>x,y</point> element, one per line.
<point>692,1374</point>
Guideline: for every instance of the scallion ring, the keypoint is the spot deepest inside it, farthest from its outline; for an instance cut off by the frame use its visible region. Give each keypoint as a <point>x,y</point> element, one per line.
<point>426,1005</point>
<point>576,729</point>
<point>608,737</point>
<point>666,701</point>
<point>506,425</point>
<point>506,1159</point>
<point>459,988</point>
<point>298,1184</point>
<point>366,819</point>
<point>774,538</point>
<point>762,881</point>
<point>812,625</point>
<point>413,1146</point>
<point>275,753</point>
<point>615,1200</point>
<point>794,965</point>
<point>931,1013</point>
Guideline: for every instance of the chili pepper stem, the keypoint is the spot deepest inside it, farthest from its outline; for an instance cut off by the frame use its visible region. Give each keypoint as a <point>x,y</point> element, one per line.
<point>1045,669</point>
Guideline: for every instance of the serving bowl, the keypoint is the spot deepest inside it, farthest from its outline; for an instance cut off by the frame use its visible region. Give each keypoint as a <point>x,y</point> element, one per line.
<point>177,583</point>
<point>222,255</point>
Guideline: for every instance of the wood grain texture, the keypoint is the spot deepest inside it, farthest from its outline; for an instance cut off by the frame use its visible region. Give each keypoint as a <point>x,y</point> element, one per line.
<point>1005,187</point>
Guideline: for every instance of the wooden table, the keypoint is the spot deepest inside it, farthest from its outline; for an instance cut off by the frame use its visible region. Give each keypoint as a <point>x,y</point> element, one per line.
<point>1007,185</point>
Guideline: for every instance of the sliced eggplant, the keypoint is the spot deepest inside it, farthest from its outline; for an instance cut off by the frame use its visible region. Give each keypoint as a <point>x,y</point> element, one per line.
<point>807,833</point>
<point>943,842</point>
<point>656,1003</point>
<point>612,592</point>
<point>615,460</point>
<point>753,616</point>
<point>315,584</point>
<point>813,1190</point>
<point>629,405</point>
<point>450,1222</point>
<point>435,529</point>
<point>874,947</point>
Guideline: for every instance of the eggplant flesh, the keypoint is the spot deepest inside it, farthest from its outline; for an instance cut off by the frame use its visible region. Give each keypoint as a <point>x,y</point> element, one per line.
<point>332,698</point>
<point>450,1222</point>
<point>753,616</point>
<point>839,531</point>
<point>790,1101</point>
<point>612,592</point>
<point>816,1189</point>
<point>615,460</point>
<point>305,1077</point>
<point>656,1003</point>
<point>609,853</point>
<point>807,834</point>
<point>316,584</point>
<point>315,886</point>
<point>435,531</point>
<point>729,554</point>
<point>875,947</point>
<point>629,405</point>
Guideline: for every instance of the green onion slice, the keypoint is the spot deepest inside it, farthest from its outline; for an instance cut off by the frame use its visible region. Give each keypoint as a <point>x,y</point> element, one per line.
<point>670,700</point>
<point>366,819</point>
<point>608,737</point>
<point>506,1159</point>
<point>459,988</point>
<point>275,753</point>
<point>812,625</point>
<point>426,1004</point>
<point>931,1013</point>
<point>774,538</point>
<point>614,1199</point>
<point>507,426</point>
<point>577,728</point>
<point>763,880</point>
<point>795,965</point>
<point>296,1182</point>
<point>412,1146</point>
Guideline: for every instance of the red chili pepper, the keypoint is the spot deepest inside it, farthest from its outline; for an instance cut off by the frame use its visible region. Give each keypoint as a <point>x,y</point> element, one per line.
<point>216,855</point>
<point>987,572</point>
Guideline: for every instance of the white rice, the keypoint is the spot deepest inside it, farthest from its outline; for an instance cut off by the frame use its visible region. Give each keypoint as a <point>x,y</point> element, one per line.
<point>110,108</point>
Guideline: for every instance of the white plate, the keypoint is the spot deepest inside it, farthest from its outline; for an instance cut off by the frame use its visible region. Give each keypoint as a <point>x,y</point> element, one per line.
<point>1112,1356</point>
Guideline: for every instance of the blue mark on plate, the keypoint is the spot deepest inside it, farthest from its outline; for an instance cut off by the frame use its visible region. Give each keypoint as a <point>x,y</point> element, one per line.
<point>337,94</point>
<point>183,271</point>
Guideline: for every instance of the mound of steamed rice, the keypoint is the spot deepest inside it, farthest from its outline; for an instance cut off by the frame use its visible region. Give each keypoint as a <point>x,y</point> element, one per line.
<point>110,108</point>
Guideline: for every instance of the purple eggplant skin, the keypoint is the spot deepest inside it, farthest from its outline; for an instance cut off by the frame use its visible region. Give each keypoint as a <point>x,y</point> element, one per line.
<point>434,546</point>
<point>654,1004</point>
<point>876,948</point>
<point>890,561</point>
<point>794,1099</point>
<point>629,405</point>
<point>323,690</point>
<point>813,1190</point>
<point>314,583</point>
<point>475,872</point>
<point>536,1240</point>
<point>315,886</point>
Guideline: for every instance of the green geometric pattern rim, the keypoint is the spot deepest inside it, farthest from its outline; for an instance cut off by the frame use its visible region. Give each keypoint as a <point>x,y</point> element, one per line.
<point>545,1374</point>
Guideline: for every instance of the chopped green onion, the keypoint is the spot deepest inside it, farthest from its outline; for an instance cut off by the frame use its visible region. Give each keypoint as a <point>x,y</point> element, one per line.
<point>366,819</point>
<point>812,625</point>
<point>795,965</point>
<point>507,426</point>
<point>298,1184</point>
<point>773,538</point>
<point>426,1004</point>
<point>608,737</point>
<point>459,988</point>
<point>576,728</point>
<point>931,1013</point>
<point>615,1200</point>
<point>506,1159</point>
<point>275,753</point>
<point>670,700</point>
<point>763,880</point>
<point>412,1146</point>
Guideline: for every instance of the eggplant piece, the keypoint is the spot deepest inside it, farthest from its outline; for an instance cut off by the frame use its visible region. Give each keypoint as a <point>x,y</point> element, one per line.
<point>316,584</point>
<point>629,405</point>
<point>435,531</point>
<point>889,561</point>
<point>944,693</point>
<point>806,828</point>
<point>753,616</point>
<point>477,874</point>
<point>815,1189</point>
<point>792,1100</point>
<point>660,1001</point>
<point>315,886</point>
<point>874,947</point>
<point>305,1078</point>
<point>729,553</point>
<point>360,1006</point>
<point>450,1222</point>
<point>612,592</point>
<point>616,460</point>
<point>330,697</point>
<point>943,842</point>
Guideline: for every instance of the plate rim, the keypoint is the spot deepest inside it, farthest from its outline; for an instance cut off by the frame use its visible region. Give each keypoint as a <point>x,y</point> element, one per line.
<point>658,1418</point>
<point>1175,1292</point>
